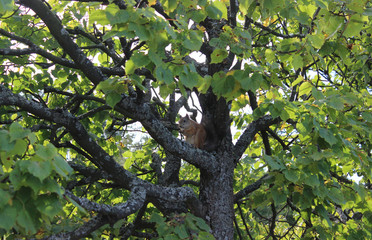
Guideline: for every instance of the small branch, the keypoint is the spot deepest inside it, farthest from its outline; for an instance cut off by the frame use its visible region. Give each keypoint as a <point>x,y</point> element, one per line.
<point>94,111</point>
<point>245,224</point>
<point>160,10</point>
<point>250,188</point>
<point>273,222</point>
<point>276,137</point>
<point>267,29</point>
<point>85,230</point>
<point>266,142</point>
<point>62,36</point>
<point>33,49</point>
<point>341,178</point>
<point>189,182</point>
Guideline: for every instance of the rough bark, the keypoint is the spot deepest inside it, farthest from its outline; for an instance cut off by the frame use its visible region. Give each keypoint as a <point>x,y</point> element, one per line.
<point>216,194</point>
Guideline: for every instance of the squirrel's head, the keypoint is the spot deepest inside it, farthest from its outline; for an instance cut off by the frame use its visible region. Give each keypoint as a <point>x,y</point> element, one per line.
<point>184,122</point>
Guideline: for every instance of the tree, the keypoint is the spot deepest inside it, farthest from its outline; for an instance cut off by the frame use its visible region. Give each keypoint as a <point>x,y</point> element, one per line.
<point>89,102</point>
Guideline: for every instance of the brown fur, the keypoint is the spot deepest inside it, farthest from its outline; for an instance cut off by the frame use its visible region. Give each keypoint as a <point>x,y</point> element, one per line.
<point>194,132</point>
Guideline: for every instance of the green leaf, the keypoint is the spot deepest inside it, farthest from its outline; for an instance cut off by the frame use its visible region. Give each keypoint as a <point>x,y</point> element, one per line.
<point>188,79</point>
<point>219,55</point>
<point>8,217</point>
<point>197,16</point>
<point>367,116</point>
<point>194,42</point>
<point>323,212</point>
<point>6,144</point>
<point>17,178</point>
<point>202,224</point>
<point>270,55</point>
<point>129,159</point>
<point>169,5</point>
<point>140,59</point>
<point>317,40</point>
<point>98,16</point>
<point>297,62</point>
<point>46,152</point>
<point>205,236</point>
<point>221,6</point>
<point>213,12</point>
<point>181,231</point>
<point>336,196</point>
<point>292,175</point>
<point>61,166</point>
<point>249,83</point>
<point>278,196</point>
<point>142,31</point>
<point>113,98</point>
<point>336,102</point>
<point>52,186</point>
<point>205,84</point>
<point>19,148</point>
<point>25,220</point>
<point>49,205</point>
<point>312,180</point>
<point>16,131</point>
<point>368,12</point>
<point>40,169</point>
<point>328,136</point>
<point>130,66</point>
<point>120,16</point>
<point>6,5</point>
<point>156,218</point>
<point>297,81</point>
<point>274,163</point>
<point>354,26</point>
<point>318,95</point>
<point>222,84</point>
<point>164,74</point>
<point>4,198</point>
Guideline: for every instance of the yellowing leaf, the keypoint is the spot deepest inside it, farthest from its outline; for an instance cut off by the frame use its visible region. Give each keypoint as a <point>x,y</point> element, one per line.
<point>152,2</point>
<point>297,81</point>
<point>305,88</point>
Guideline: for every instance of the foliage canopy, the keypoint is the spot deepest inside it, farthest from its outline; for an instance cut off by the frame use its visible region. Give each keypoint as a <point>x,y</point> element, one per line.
<point>90,94</point>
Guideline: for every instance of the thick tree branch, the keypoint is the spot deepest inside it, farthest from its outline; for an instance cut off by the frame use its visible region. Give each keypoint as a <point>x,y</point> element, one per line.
<point>163,136</point>
<point>135,202</point>
<point>142,113</point>
<point>248,135</point>
<point>234,7</point>
<point>98,156</point>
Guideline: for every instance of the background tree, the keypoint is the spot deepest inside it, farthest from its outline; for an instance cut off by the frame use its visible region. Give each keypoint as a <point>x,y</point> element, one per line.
<point>89,99</point>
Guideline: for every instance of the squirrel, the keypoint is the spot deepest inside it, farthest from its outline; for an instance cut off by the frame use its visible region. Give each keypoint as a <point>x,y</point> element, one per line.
<point>194,132</point>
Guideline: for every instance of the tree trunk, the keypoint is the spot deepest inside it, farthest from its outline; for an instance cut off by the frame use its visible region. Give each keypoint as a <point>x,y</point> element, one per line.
<point>216,194</point>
